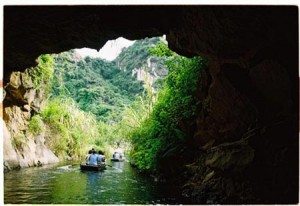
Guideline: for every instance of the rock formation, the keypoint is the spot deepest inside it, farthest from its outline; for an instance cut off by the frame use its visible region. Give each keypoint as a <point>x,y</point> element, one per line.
<point>22,149</point>
<point>150,72</point>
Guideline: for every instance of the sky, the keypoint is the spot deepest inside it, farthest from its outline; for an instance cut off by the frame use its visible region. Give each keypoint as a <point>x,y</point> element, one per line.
<point>109,51</point>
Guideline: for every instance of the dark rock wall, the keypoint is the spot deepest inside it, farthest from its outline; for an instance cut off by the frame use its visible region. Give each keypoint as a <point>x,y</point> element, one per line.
<point>247,126</point>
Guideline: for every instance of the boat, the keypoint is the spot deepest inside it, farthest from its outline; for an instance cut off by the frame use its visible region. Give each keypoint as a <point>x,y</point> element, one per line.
<point>85,167</point>
<point>116,160</point>
<point>117,157</point>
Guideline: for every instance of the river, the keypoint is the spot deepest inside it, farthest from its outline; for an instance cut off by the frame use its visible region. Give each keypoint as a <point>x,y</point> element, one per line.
<point>119,184</point>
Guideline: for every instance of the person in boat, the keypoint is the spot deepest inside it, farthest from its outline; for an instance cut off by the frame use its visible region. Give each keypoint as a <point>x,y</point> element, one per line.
<point>93,158</point>
<point>101,157</point>
<point>87,157</point>
<point>117,155</point>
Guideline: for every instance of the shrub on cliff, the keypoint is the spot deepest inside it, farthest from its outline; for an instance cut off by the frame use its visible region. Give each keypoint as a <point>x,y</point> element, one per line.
<point>42,74</point>
<point>36,125</point>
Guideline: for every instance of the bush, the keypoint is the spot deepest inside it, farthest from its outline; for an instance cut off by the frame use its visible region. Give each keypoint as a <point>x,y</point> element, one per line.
<point>43,73</point>
<point>36,125</point>
<point>72,131</point>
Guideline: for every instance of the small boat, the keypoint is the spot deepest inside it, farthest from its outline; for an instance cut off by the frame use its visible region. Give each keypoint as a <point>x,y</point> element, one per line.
<point>116,160</point>
<point>85,167</point>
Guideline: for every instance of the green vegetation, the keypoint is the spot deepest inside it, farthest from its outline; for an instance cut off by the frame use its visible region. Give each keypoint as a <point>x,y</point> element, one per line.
<point>36,125</point>
<point>71,131</point>
<point>91,102</point>
<point>133,117</point>
<point>101,87</point>
<point>137,55</point>
<point>96,103</point>
<point>162,134</point>
<point>42,74</point>
<point>98,86</point>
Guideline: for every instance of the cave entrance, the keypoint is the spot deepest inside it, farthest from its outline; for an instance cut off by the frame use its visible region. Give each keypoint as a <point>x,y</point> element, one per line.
<point>108,93</point>
<point>114,101</point>
<point>244,45</point>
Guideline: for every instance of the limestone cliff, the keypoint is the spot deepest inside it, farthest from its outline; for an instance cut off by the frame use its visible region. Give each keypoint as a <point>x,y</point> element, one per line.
<point>150,72</point>
<point>21,102</point>
<point>144,66</point>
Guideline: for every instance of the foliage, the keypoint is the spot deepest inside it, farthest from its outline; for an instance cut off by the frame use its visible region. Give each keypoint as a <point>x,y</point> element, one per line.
<point>162,134</point>
<point>71,131</point>
<point>137,54</point>
<point>133,117</point>
<point>89,98</point>
<point>101,87</point>
<point>161,50</point>
<point>42,74</point>
<point>96,103</point>
<point>98,86</point>
<point>36,125</point>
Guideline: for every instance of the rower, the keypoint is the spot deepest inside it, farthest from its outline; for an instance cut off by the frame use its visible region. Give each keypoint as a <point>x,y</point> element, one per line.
<point>101,157</point>
<point>87,157</point>
<point>93,158</point>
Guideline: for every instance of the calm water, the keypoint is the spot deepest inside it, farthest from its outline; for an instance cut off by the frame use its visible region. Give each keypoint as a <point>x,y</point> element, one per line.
<point>119,184</point>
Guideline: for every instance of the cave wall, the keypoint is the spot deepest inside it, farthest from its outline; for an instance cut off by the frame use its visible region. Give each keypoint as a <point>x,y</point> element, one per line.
<point>247,129</point>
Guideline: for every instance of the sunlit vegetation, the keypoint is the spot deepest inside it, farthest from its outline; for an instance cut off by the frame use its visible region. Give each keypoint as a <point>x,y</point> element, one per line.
<point>36,125</point>
<point>91,102</point>
<point>133,117</point>
<point>160,136</point>
<point>71,130</point>
<point>137,55</point>
<point>98,86</point>
<point>42,74</point>
<point>100,104</point>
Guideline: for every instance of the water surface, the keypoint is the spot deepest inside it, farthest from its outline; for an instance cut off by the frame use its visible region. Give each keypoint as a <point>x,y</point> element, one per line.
<point>119,184</point>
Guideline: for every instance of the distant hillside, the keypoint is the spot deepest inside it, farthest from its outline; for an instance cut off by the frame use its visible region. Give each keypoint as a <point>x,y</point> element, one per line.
<point>137,60</point>
<point>98,86</point>
<point>102,87</point>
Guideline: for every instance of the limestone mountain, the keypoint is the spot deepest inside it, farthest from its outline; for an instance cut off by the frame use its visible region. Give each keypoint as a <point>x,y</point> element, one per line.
<point>141,63</point>
<point>103,87</point>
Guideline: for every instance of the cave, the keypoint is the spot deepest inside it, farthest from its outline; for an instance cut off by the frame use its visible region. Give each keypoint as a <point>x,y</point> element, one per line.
<point>250,85</point>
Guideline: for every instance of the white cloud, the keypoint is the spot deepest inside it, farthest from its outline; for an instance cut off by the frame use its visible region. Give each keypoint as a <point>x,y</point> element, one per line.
<point>109,51</point>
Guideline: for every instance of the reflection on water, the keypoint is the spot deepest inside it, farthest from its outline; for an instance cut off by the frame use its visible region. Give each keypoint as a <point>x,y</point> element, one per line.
<point>119,184</point>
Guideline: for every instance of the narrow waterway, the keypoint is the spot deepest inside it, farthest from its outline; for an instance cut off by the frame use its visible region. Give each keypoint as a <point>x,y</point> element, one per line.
<point>119,184</point>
